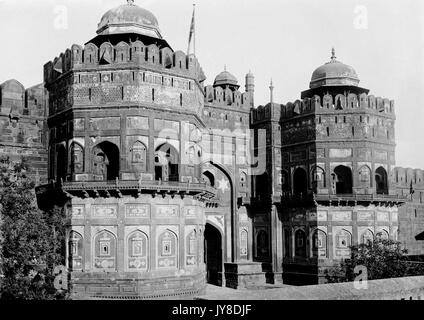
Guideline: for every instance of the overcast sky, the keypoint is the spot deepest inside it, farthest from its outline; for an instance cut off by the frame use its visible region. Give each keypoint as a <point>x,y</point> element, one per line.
<point>279,39</point>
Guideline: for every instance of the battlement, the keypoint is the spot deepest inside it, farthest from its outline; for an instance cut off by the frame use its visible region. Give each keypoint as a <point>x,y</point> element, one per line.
<point>330,103</point>
<point>227,97</point>
<point>267,112</point>
<point>16,101</point>
<point>133,54</point>
<point>407,177</point>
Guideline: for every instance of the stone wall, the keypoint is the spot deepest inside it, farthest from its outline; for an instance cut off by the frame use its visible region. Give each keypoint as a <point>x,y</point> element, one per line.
<point>23,126</point>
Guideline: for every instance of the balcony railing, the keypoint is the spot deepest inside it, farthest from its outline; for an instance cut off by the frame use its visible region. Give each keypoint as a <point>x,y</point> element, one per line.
<point>352,197</point>
<point>120,186</point>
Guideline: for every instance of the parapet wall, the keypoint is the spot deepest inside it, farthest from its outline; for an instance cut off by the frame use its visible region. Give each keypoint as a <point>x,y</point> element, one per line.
<point>405,178</point>
<point>226,97</point>
<point>328,103</point>
<point>128,54</point>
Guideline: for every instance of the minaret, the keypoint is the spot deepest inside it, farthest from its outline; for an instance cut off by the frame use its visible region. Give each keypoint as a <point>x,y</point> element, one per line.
<point>250,87</point>
<point>271,91</point>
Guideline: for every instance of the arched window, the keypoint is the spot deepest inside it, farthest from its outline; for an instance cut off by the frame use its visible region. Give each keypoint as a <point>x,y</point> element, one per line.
<point>243,179</point>
<point>243,243</point>
<point>262,244</point>
<point>191,248</point>
<point>75,252</point>
<point>343,239</point>
<point>137,245</point>
<point>319,244</point>
<point>381,181</point>
<point>105,250</point>
<point>342,180</point>
<point>300,243</point>
<point>365,176</point>
<point>209,178</point>
<point>167,250</point>
<point>138,155</point>
<point>300,182</point>
<point>77,158</point>
<point>367,237</point>
<point>383,234</point>
<point>105,164</point>
<point>318,178</point>
<point>166,163</point>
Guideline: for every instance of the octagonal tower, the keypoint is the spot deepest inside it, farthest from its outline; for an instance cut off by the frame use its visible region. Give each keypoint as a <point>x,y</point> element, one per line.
<point>330,159</point>
<point>124,109</point>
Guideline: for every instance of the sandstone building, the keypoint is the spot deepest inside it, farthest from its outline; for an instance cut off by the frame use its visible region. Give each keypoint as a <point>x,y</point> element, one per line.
<point>165,188</point>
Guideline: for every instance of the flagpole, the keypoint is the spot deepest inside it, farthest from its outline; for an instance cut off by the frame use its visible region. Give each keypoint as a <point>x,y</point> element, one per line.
<point>194,32</point>
<point>192,35</point>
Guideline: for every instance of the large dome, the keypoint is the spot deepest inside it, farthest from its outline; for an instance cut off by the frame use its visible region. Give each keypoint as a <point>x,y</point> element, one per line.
<point>129,18</point>
<point>334,73</point>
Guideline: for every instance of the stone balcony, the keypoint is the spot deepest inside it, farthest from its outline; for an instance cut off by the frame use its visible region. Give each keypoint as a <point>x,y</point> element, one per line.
<point>118,188</point>
<point>343,199</point>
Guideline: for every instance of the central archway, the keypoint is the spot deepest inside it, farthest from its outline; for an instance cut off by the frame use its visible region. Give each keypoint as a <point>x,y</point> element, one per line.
<point>213,255</point>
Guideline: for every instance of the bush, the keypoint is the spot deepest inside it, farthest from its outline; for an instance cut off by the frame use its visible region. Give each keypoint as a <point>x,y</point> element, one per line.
<point>31,241</point>
<point>382,258</point>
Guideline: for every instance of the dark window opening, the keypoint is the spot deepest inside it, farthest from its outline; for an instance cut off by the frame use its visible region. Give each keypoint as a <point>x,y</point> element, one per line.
<point>342,180</point>
<point>300,183</point>
<point>209,178</point>
<point>262,185</point>
<point>61,163</point>
<point>166,163</point>
<point>300,243</point>
<point>381,181</point>
<point>106,161</point>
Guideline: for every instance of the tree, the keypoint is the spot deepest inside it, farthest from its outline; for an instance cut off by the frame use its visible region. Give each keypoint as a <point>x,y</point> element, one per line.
<point>31,241</point>
<point>382,259</point>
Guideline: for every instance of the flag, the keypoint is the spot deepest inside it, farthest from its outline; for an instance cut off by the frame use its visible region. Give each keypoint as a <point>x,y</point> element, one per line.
<point>192,31</point>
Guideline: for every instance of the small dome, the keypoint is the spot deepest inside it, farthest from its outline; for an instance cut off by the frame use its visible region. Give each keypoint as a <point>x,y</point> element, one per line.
<point>334,73</point>
<point>225,78</point>
<point>129,18</point>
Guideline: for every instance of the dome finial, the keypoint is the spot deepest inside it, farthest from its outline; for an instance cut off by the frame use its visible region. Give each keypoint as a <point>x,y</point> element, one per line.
<point>333,54</point>
<point>225,67</point>
<point>271,91</point>
<point>130,2</point>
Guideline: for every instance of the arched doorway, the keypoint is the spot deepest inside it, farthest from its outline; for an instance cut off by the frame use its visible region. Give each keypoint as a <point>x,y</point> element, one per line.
<point>166,163</point>
<point>213,255</point>
<point>300,182</point>
<point>342,178</point>
<point>106,161</point>
<point>381,181</point>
